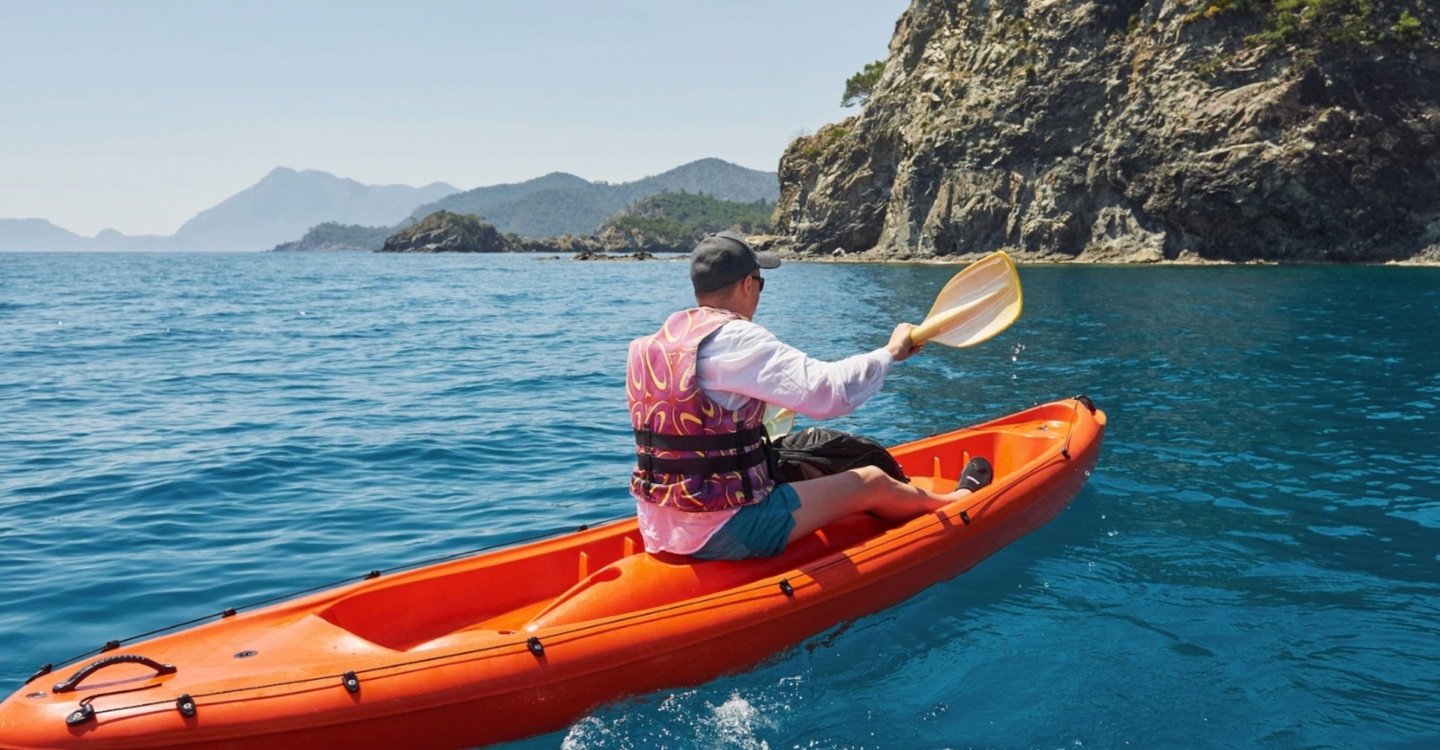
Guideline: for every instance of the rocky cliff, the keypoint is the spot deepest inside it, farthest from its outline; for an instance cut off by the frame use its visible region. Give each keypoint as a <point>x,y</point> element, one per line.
<point>1135,130</point>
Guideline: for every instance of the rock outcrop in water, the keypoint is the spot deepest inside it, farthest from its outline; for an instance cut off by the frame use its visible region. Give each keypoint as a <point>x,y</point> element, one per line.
<point>446,232</point>
<point>336,237</point>
<point>1134,130</point>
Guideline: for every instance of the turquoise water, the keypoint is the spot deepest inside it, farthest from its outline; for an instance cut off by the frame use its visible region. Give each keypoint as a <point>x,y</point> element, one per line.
<point>1255,563</point>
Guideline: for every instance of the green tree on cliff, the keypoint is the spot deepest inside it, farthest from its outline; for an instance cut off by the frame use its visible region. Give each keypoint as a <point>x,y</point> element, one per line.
<point>1351,25</point>
<point>862,84</point>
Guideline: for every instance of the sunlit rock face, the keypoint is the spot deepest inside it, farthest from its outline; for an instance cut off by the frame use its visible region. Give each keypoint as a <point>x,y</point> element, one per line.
<point>1128,130</point>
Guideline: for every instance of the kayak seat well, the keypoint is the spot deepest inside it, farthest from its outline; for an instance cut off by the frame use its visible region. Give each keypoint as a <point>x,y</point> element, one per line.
<point>410,610</point>
<point>646,581</point>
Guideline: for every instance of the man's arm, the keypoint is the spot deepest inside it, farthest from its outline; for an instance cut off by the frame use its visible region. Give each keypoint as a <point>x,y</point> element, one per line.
<point>743,360</point>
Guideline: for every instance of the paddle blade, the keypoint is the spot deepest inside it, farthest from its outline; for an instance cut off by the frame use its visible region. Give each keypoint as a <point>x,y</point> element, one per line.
<point>975,305</point>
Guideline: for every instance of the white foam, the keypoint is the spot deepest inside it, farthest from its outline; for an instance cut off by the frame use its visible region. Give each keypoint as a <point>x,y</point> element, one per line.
<point>735,722</point>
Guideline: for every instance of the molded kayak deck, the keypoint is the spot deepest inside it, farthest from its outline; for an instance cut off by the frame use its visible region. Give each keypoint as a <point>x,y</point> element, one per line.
<point>524,640</point>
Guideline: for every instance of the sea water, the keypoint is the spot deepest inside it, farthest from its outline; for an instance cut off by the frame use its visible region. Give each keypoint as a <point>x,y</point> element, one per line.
<point>1255,562</point>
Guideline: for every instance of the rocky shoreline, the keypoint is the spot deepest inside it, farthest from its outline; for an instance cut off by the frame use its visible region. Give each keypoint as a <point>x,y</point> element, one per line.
<point>787,250</point>
<point>448,232</point>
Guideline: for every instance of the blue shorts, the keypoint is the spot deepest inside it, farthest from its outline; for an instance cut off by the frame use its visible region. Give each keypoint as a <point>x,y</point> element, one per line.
<point>758,530</point>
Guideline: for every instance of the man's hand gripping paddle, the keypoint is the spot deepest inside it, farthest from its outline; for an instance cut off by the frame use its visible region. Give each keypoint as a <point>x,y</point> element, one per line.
<point>976,304</point>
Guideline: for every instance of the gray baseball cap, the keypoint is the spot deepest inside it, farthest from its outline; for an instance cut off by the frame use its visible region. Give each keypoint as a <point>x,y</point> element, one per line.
<point>723,258</point>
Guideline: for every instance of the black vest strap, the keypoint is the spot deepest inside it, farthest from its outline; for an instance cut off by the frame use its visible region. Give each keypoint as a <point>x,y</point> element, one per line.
<point>731,441</point>
<point>702,464</point>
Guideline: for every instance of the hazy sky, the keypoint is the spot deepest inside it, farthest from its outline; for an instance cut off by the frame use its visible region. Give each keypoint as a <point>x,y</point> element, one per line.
<point>137,115</point>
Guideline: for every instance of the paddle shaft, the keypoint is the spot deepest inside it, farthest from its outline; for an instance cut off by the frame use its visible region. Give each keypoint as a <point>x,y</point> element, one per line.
<point>934,324</point>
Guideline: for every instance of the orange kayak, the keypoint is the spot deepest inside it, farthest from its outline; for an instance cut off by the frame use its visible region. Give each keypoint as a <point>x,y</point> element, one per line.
<point>524,640</point>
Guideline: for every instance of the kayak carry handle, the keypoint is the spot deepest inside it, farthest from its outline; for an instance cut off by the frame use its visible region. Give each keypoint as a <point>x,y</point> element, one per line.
<point>99,664</point>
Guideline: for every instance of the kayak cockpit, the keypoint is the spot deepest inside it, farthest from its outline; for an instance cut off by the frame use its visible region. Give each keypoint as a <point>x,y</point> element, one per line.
<point>600,574</point>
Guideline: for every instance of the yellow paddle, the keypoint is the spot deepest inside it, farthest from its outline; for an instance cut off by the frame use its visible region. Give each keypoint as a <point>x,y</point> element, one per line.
<point>976,304</point>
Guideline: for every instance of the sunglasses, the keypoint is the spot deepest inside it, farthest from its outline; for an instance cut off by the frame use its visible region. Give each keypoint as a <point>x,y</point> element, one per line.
<point>759,282</point>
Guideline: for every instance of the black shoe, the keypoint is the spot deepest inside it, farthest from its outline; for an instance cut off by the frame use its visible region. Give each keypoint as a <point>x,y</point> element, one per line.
<point>978,473</point>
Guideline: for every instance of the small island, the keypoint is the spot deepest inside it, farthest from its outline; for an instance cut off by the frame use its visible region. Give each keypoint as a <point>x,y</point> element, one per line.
<point>661,223</point>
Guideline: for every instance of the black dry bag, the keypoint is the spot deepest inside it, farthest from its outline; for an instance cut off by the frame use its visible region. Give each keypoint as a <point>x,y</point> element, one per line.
<point>819,451</point>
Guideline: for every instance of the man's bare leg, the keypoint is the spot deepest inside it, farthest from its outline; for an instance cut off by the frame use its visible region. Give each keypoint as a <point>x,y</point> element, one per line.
<point>868,488</point>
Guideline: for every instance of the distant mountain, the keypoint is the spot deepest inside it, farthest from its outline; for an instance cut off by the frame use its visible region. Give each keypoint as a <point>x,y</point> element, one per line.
<point>37,234</point>
<point>287,203</point>
<point>280,207</point>
<point>40,235</point>
<point>560,203</point>
<point>713,177</point>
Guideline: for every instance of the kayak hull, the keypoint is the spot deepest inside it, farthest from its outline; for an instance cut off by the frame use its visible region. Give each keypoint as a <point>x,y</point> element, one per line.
<point>524,640</point>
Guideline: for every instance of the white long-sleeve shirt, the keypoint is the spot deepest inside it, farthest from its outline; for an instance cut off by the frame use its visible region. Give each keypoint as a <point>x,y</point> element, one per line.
<point>743,361</point>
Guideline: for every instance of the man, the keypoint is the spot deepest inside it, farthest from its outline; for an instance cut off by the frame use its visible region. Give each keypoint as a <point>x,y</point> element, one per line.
<point>697,391</point>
